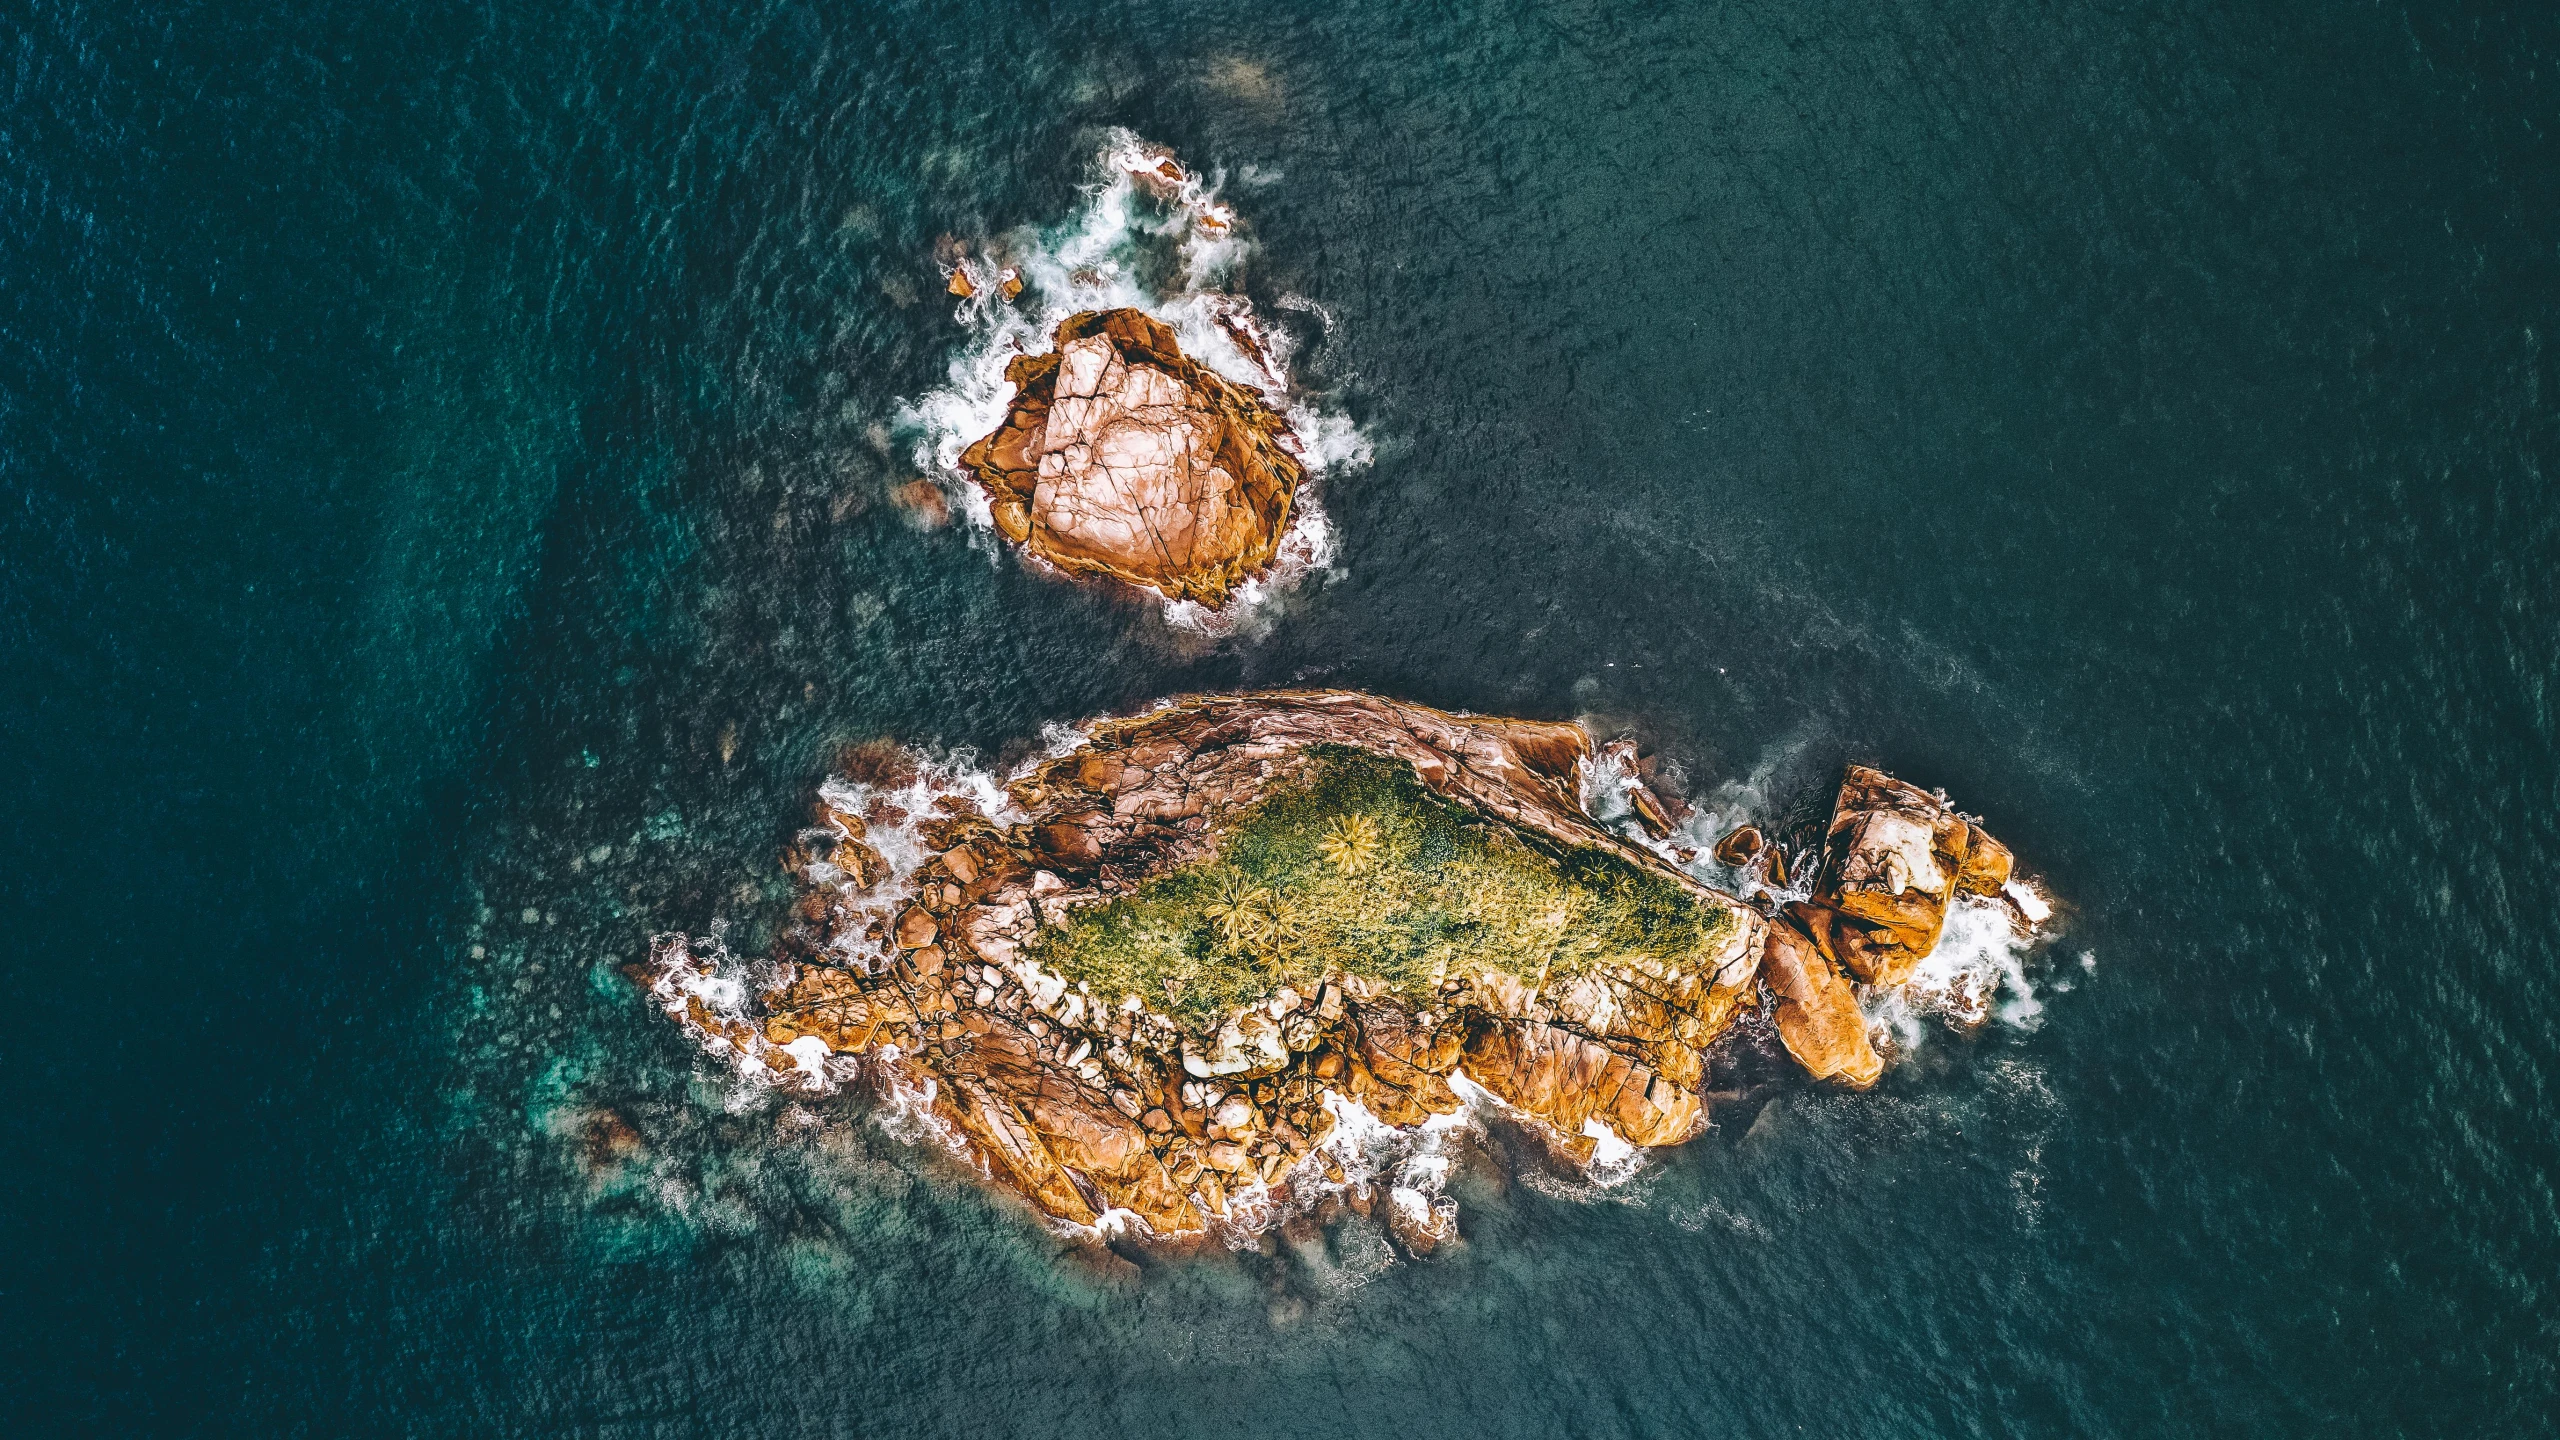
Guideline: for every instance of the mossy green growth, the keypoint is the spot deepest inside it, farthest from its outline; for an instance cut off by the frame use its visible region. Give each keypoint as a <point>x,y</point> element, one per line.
<point>1362,869</point>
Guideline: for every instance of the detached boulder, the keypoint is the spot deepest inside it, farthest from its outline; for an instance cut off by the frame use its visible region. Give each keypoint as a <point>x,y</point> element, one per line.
<point>1818,1016</point>
<point>1894,857</point>
<point>1123,457</point>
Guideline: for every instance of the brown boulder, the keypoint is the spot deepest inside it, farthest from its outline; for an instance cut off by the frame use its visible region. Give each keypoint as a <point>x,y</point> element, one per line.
<point>1121,456</point>
<point>1655,1109</point>
<point>1878,956</point>
<point>1014,1149</point>
<point>1895,856</point>
<point>1089,1138</point>
<point>915,930</point>
<point>1416,1224</point>
<point>1568,1081</point>
<point>1738,848</point>
<point>1986,866</point>
<point>1069,843</point>
<point>1818,1015</point>
<point>1649,812</point>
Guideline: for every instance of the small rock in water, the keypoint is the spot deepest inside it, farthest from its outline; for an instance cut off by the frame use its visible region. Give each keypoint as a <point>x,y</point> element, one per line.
<point>1125,458</point>
<point>922,500</point>
<point>1418,1227</point>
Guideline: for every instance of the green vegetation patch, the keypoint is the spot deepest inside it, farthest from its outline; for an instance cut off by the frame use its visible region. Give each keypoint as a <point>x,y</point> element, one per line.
<point>1364,870</point>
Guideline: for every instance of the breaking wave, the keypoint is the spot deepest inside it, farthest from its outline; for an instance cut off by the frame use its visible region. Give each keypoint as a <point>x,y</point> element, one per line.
<point>706,989</point>
<point>1985,970</point>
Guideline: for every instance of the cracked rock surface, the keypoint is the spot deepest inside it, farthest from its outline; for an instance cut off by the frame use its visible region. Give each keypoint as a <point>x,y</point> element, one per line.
<point>1123,457</point>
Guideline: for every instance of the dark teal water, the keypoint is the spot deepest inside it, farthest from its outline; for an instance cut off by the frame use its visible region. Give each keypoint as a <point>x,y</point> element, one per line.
<point>426,432</point>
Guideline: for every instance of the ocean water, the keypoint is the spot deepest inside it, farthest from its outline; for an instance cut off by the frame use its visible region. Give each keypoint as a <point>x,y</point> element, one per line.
<point>450,475</point>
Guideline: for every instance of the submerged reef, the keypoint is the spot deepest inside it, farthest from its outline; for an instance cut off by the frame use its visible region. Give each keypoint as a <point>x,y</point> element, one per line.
<point>1122,457</point>
<point>1155,980</point>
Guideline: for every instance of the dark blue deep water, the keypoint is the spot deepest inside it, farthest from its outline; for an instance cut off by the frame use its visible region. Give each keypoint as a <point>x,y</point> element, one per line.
<point>445,470</point>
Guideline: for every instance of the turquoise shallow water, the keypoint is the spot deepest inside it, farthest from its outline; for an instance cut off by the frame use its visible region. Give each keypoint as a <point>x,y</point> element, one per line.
<point>430,439</point>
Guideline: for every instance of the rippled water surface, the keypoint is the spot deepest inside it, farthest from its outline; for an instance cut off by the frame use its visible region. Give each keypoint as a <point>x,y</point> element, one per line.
<point>450,467</point>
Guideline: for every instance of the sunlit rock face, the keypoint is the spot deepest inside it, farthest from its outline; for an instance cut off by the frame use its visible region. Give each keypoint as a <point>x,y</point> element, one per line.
<point>1818,1015</point>
<point>1151,976</point>
<point>1893,858</point>
<point>1123,457</point>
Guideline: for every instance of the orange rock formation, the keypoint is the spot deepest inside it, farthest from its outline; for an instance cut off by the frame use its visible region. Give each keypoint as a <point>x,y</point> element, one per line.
<point>1121,456</point>
<point>1893,859</point>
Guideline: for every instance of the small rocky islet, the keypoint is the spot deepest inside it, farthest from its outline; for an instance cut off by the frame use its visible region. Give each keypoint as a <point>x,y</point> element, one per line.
<point>1123,458</point>
<point>1145,978</point>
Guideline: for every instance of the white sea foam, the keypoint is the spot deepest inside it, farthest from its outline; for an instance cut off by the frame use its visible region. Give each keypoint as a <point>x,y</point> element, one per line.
<point>1613,1164</point>
<point>1610,1153</point>
<point>1307,545</point>
<point>1170,248</point>
<point>1608,785</point>
<point>1980,973</point>
<point>1369,1149</point>
<point>1407,1167</point>
<point>1982,970</point>
<point>905,1112</point>
<point>706,989</point>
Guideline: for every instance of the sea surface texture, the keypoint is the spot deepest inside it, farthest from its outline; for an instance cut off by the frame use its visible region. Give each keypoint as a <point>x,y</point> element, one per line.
<point>456,474</point>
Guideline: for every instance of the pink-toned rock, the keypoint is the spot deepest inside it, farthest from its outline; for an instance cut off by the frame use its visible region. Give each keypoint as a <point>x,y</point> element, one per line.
<point>1121,456</point>
<point>915,929</point>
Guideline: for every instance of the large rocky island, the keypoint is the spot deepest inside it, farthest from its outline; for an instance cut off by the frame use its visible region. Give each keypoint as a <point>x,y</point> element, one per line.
<point>1122,457</point>
<point>1144,981</point>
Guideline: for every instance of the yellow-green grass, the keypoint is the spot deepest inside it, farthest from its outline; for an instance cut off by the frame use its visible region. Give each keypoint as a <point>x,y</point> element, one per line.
<point>1362,870</point>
